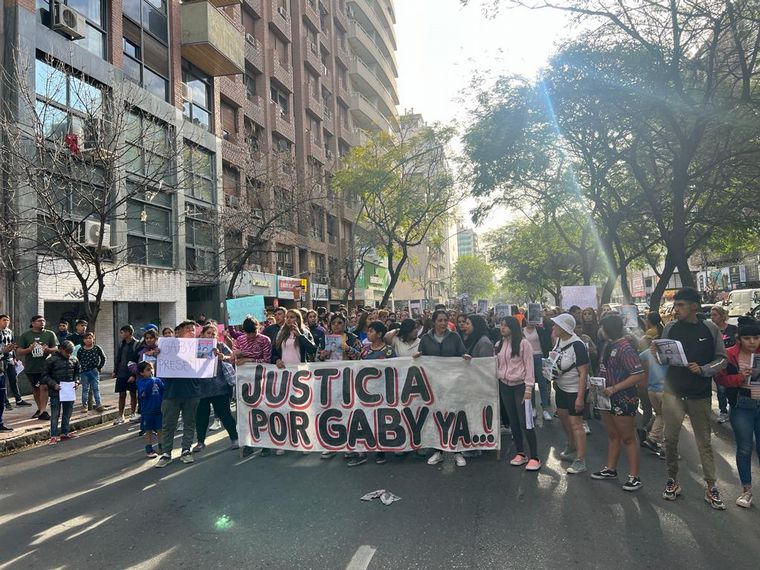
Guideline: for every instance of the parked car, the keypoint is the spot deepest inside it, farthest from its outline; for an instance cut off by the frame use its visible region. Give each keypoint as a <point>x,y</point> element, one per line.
<point>743,302</point>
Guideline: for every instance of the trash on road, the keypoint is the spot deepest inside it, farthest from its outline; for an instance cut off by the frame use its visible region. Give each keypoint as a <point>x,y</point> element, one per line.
<point>387,498</point>
<point>373,495</point>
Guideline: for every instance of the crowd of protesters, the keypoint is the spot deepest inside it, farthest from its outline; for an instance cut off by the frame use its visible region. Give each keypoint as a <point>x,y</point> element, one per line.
<point>548,363</point>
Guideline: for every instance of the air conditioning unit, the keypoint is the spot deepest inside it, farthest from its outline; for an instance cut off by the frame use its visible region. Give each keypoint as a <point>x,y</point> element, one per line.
<point>283,12</point>
<point>232,201</point>
<point>92,230</point>
<point>187,92</point>
<point>251,39</point>
<point>69,22</point>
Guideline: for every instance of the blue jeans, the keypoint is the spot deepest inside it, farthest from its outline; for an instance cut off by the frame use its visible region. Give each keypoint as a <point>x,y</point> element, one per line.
<point>91,378</point>
<point>745,420</point>
<point>55,411</point>
<point>543,383</point>
<point>722,399</point>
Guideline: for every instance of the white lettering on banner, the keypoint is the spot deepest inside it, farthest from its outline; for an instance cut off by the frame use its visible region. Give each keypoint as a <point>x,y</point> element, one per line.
<point>186,358</point>
<point>399,404</point>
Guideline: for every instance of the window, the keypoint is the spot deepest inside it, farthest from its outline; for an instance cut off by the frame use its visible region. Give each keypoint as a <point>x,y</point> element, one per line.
<point>317,221</point>
<point>199,239</point>
<point>150,227</point>
<point>198,110</point>
<point>231,181</point>
<point>284,259</point>
<point>250,80</point>
<point>148,149</point>
<point>94,11</point>
<point>281,99</point>
<point>200,182</point>
<point>229,121</point>
<point>145,45</point>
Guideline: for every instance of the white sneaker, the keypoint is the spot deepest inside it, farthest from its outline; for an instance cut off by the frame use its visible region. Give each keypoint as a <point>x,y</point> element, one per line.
<point>744,500</point>
<point>460,460</point>
<point>436,458</point>
<point>547,416</point>
<point>586,428</point>
<point>216,426</point>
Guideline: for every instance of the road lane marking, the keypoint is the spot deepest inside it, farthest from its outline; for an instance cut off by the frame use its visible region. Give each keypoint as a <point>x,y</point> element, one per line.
<point>12,562</point>
<point>54,531</point>
<point>362,557</point>
<point>91,527</point>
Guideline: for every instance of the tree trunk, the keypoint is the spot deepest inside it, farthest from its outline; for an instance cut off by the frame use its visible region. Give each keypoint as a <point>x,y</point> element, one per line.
<point>395,273</point>
<point>624,285</point>
<point>662,283</point>
<point>609,286</point>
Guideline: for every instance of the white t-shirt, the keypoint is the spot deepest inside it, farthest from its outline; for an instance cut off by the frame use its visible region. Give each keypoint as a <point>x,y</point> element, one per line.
<point>566,357</point>
<point>404,348</point>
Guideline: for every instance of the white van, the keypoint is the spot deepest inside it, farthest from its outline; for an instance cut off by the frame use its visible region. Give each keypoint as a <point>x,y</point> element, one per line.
<point>742,301</point>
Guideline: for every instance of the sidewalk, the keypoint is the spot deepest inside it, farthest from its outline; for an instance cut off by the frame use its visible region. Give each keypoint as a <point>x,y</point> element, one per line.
<point>28,431</point>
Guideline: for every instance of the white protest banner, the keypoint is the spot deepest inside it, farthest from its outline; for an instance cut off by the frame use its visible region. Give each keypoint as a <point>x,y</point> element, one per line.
<point>399,404</point>
<point>186,358</point>
<point>581,295</point>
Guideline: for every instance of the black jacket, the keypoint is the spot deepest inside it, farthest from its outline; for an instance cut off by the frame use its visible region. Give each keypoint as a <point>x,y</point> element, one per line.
<point>126,353</point>
<point>60,369</point>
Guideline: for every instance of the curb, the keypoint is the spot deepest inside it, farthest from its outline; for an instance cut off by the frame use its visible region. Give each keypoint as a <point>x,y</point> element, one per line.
<point>36,436</point>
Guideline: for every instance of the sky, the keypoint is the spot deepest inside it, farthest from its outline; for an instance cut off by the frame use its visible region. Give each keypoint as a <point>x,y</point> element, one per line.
<point>442,44</point>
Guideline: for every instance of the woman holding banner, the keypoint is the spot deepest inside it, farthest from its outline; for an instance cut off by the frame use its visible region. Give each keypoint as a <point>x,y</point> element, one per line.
<point>440,341</point>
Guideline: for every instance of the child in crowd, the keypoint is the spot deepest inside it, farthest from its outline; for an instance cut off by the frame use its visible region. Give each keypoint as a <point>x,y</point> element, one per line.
<point>91,361</point>
<point>375,349</point>
<point>150,390</point>
<point>62,379</point>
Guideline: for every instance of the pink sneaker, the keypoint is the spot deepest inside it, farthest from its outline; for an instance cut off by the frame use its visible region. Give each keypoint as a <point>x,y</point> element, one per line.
<point>518,460</point>
<point>533,465</point>
<point>53,441</point>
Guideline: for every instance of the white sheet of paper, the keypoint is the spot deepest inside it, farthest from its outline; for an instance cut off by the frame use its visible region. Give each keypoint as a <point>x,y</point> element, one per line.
<point>67,393</point>
<point>670,352</point>
<point>529,423</point>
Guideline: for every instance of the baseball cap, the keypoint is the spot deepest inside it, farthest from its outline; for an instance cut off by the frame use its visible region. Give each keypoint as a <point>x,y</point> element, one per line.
<point>566,322</point>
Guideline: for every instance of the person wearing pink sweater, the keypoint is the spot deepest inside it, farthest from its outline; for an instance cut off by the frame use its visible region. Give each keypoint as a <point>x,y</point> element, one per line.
<point>514,363</point>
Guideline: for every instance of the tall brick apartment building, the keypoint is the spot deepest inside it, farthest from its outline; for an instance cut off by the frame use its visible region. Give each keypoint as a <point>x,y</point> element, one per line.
<point>301,81</point>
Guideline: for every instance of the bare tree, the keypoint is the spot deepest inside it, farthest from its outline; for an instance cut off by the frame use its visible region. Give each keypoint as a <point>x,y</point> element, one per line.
<point>82,163</point>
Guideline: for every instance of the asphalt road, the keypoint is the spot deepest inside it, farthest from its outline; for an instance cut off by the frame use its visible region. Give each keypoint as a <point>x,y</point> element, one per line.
<point>96,502</point>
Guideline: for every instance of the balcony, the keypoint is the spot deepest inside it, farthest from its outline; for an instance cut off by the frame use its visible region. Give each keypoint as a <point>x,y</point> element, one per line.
<point>341,54</point>
<point>254,53</point>
<point>210,41</point>
<point>314,148</point>
<point>312,59</point>
<point>283,73</point>
<point>325,39</point>
<point>340,18</point>
<point>367,115</point>
<point>281,20</point>
<point>327,118</point>
<point>253,107</point>
<point>313,103</point>
<point>311,13</point>
<point>364,44</point>
<point>365,78</point>
<point>223,3</point>
<point>343,93</point>
<point>379,24</point>
<point>255,7</point>
<point>282,123</point>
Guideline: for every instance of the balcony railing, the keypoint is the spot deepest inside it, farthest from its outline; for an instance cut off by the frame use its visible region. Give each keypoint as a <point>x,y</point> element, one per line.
<point>281,19</point>
<point>210,41</point>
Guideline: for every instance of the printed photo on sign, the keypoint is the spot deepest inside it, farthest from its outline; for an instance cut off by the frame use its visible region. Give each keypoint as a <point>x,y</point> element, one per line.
<point>754,378</point>
<point>599,399</point>
<point>501,310</point>
<point>334,345</point>
<point>534,313</point>
<point>670,352</point>
<point>630,315</point>
<point>179,358</point>
<point>399,404</point>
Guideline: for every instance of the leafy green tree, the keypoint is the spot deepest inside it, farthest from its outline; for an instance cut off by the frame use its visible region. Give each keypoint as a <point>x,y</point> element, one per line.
<point>473,276</point>
<point>405,188</point>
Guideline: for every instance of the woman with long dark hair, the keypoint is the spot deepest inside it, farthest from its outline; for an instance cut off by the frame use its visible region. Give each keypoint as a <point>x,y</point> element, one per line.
<point>622,371</point>
<point>514,363</point>
<point>477,340</point>
<point>294,342</point>
<point>362,326</point>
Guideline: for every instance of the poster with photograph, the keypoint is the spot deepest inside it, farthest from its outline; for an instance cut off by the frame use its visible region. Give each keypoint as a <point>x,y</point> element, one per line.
<point>501,310</point>
<point>599,399</point>
<point>334,345</point>
<point>754,379</point>
<point>205,349</point>
<point>630,316</point>
<point>670,352</point>
<point>482,306</point>
<point>534,313</point>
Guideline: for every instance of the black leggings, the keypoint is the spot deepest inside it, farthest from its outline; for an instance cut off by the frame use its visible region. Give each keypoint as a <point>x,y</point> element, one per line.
<point>512,399</point>
<point>221,410</point>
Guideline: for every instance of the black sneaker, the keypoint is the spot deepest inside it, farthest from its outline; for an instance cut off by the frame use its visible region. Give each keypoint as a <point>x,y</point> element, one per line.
<point>22,403</point>
<point>605,473</point>
<point>650,445</point>
<point>43,416</point>
<point>4,428</point>
<point>633,484</point>
<point>380,459</point>
<point>8,406</point>
<point>672,490</point>
<point>712,498</point>
<point>360,459</point>
<point>36,415</point>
